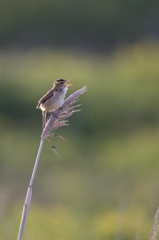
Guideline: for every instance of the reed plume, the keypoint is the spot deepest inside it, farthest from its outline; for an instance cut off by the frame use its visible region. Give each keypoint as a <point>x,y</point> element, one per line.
<point>155,226</point>
<point>57,119</point>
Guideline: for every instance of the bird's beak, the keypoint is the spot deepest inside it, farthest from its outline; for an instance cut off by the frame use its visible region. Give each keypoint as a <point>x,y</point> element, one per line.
<point>68,84</point>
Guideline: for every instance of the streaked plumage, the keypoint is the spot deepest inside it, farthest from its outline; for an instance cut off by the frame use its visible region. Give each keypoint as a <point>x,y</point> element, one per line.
<point>53,99</point>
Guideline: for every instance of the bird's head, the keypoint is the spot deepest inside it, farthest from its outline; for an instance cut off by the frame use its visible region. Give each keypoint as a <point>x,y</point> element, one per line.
<point>62,82</point>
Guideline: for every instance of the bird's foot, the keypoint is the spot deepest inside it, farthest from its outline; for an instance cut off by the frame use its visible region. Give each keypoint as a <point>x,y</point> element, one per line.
<point>55,115</point>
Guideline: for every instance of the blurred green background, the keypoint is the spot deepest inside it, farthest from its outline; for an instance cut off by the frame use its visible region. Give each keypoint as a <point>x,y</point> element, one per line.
<point>105,185</point>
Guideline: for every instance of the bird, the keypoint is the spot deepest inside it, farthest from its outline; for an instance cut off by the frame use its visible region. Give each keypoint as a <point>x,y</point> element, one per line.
<point>53,99</point>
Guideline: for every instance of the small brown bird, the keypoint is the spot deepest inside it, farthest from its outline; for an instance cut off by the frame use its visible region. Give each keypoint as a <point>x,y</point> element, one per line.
<point>53,99</point>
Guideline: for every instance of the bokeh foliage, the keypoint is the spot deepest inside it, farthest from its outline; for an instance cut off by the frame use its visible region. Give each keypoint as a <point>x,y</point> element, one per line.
<point>83,23</point>
<point>105,184</point>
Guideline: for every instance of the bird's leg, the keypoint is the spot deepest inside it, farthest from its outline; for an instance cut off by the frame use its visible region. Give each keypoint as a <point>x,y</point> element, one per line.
<point>54,114</point>
<point>43,119</point>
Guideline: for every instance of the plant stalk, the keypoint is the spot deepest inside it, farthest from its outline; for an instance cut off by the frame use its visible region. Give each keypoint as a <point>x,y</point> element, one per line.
<point>56,120</point>
<point>29,193</point>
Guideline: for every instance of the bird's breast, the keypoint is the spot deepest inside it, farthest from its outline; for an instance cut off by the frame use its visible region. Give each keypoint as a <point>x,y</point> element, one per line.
<point>54,102</point>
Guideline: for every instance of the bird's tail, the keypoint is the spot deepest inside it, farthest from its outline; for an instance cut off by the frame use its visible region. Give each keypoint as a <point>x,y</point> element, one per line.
<point>43,119</point>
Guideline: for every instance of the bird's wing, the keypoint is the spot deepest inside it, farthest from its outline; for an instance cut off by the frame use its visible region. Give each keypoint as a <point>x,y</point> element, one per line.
<point>49,94</point>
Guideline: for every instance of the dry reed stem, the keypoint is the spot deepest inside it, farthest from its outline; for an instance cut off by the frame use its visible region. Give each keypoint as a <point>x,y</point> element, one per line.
<point>29,193</point>
<point>56,120</point>
<point>138,233</point>
<point>155,226</point>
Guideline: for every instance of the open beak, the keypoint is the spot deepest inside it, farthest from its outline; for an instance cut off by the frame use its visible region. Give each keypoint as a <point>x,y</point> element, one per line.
<point>68,84</point>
